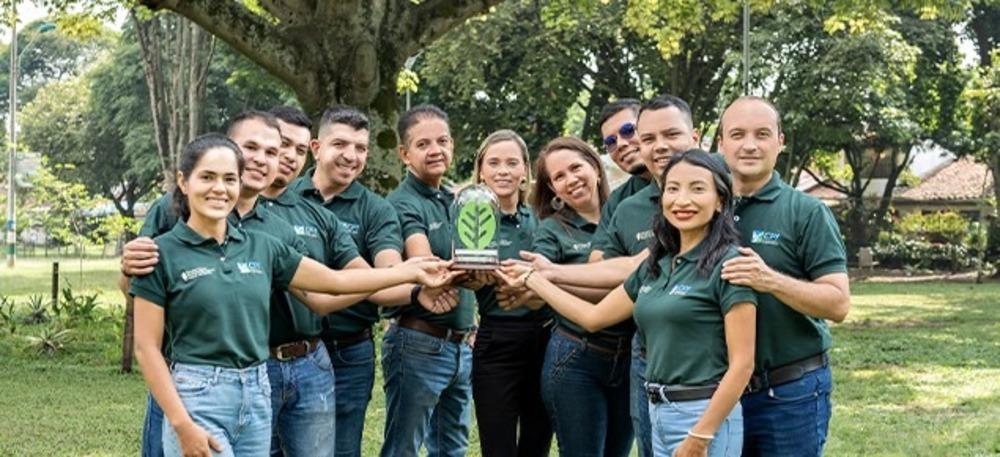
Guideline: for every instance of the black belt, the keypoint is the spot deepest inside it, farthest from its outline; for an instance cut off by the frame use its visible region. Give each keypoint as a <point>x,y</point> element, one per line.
<point>658,392</point>
<point>608,345</point>
<point>787,373</point>
<point>437,331</point>
<point>350,339</point>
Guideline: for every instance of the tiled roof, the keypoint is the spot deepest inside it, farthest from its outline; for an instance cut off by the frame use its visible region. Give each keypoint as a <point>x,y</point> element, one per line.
<point>963,179</point>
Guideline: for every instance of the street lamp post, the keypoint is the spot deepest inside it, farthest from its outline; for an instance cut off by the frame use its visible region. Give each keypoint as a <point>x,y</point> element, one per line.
<point>12,164</point>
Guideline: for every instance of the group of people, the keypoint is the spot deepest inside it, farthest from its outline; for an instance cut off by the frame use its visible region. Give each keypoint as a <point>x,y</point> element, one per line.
<point>684,312</point>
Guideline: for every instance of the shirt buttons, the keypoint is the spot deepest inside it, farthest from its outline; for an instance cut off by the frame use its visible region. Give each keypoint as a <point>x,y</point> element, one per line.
<point>736,218</point>
<point>222,259</point>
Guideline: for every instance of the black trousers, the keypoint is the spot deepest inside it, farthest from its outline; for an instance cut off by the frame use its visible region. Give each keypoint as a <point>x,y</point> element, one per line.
<point>506,386</point>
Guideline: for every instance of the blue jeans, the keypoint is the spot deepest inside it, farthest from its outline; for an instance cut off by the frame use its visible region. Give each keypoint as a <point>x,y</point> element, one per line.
<point>231,404</point>
<point>302,405</point>
<point>639,405</point>
<point>586,394</point>
<point>672,420</point>
<point>428,391</point>
<point>791,419</point>
<point>354,369</point>
<point>152,429</point>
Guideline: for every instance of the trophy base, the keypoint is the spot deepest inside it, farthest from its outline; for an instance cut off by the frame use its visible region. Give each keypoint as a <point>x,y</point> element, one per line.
<point>476,259</point>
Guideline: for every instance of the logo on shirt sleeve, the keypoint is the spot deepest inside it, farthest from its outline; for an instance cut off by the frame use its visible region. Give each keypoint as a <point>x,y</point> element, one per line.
<point>434,226</point>
<point>350,228</point>
<point>765,237</point>
<point>644,235</point>
<point>249,268</point>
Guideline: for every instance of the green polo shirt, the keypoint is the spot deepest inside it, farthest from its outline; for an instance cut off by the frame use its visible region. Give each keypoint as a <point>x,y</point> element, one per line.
<point>160,217</point>
<point>682,314</point>
<point>325,240</point>
<point>427,211</point>
<point>797,235</point>
<point>632,186</point>
<point>566,240</point>
<point>631,228</point>
<point>216,297</point>
<point>515,235</point>
<point>373,224</point>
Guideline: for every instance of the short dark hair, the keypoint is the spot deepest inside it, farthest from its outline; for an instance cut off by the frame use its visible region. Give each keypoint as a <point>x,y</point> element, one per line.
<point>415,114</point>
<point>191,155</point>
<point>669,101</point>
<point>291,115</point>
<point>722,231</point>
<point>616,107</point>
<point>344,114</point>
<point>267,118</point>
<point>751,98</point>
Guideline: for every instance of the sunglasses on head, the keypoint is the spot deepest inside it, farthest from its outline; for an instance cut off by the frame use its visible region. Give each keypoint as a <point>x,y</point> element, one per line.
<point>626,131</point>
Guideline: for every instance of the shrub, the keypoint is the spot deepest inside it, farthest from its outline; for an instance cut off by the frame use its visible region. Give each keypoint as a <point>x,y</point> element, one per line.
<point>38,311</point>
<point>77,308</point>
<point>894,250</point>
<point>940,227</point>
<point>51,340</point>
<point>7,317</point>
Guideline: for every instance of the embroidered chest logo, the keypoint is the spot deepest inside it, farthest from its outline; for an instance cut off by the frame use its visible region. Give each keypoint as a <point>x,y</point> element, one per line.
<point>645,289</point>
<point>505,243</point>
<point>581,246</point>
<point>307,231</point>
<point>680,289</point>
<point>196,273</point>
<point>350,228</point>
<point>248,268</point>
<point>644,235</point>
<point>765,237</point>
<point>434,226</point>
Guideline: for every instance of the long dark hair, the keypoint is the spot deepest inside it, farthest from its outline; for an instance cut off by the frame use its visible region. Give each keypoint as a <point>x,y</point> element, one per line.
<point>721,230</point>
<point>542,193</point>
<point>191,155</point>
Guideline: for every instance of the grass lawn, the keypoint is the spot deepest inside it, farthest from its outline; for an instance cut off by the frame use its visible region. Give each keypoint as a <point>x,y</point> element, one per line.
<point>916,366</point>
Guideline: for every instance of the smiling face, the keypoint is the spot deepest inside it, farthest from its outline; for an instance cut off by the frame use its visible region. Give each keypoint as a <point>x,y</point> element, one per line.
<point>428,149</point>
<point>503,168</point>
<point>624,151</point>
<point>259,144</point>
<point>662,133</point>
<point>292,153</point>
<point>213,185</point>
<point>690,198</point>
<point>573,179</point>
<point>341,153</point>
<point>751,140</point>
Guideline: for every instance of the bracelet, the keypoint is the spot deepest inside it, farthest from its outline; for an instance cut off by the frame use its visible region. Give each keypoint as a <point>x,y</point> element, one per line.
<point>700,436</point>
<point>413,294</point>
<point>528,276</point>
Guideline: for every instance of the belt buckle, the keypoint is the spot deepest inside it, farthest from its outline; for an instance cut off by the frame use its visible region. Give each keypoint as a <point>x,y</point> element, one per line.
<point>757,383</point>
<point>279,352</point>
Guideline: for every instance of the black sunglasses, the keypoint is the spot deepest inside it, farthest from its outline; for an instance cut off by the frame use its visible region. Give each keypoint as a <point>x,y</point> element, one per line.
<point>626,131</point>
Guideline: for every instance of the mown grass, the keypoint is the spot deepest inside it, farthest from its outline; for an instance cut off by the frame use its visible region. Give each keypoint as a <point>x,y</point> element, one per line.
<point>916,366</point>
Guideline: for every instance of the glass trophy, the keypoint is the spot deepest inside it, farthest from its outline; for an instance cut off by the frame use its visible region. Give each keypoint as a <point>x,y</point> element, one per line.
<point>476,214</point>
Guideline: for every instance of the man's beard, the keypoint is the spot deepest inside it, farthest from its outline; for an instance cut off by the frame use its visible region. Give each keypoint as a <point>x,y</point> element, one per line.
<point>638,168</point>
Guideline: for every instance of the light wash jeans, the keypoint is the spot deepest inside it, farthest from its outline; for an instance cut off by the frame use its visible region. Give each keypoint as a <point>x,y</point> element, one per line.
<point>428,394</point>
<point>302,405</point>
<point>672,420</point>
<point>231,404</point>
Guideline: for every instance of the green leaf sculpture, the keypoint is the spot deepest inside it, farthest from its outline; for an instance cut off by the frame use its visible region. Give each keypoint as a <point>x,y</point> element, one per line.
<point>476,224</point>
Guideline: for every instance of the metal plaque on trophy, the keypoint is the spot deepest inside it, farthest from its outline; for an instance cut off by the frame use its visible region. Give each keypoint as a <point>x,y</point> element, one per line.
<point>476,223</point>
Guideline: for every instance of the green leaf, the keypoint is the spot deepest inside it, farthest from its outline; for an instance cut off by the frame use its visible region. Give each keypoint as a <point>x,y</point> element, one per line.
<point>476,225</point>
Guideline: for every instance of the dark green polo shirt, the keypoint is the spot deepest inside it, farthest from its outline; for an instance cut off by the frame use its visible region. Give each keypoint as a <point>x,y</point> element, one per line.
<point>373,224</point>
<point>325,240</point>
<point>682,314</point>
<point>566,240</point>
<point>160,217</point>
<point>427,211</point>
<point>216,298</point>
<point>797,235</point>
<point>632,186</point>
<point>515,235</point>
<point>631,228</point>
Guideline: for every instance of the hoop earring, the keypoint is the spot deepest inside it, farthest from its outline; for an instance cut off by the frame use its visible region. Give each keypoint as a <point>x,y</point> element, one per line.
<point>557,204</point>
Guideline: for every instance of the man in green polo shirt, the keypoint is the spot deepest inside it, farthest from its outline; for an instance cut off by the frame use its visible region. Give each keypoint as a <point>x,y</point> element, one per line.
<point>618,122</point>
<point>341,153</point>
<point>794,258</point>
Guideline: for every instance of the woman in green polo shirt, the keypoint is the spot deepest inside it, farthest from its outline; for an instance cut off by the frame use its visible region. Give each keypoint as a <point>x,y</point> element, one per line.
<point>585,374</point>
<point>510,345</point>
<point>699,329</point>
<point>206,307</point>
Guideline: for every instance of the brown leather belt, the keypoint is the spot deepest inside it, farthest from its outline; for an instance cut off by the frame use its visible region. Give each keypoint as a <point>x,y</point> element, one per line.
<point>351,339</point>
<point>437,331</point>
<point>607,345</point>
<point>295,349</point>
<point>787,373</point>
